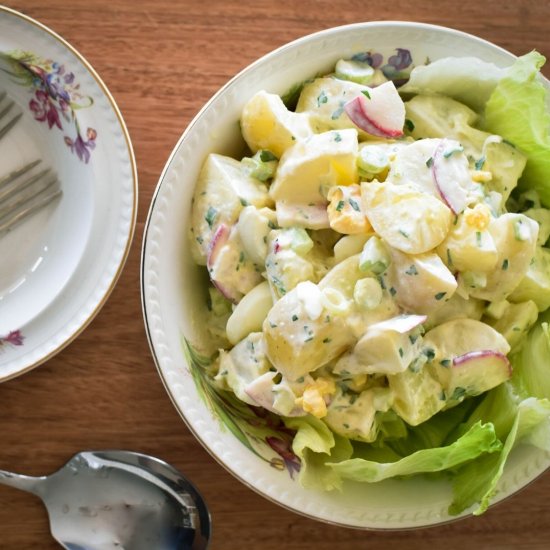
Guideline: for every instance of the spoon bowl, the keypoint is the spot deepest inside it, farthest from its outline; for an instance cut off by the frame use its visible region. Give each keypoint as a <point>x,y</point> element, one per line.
<point>102,500</point>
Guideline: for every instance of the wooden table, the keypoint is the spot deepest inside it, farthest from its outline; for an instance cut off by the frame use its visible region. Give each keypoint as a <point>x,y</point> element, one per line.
<point>162,60</point>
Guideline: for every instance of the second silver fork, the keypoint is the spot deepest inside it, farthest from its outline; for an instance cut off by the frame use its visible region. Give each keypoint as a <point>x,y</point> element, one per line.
<point>25,191</point>
<point>8,118</point>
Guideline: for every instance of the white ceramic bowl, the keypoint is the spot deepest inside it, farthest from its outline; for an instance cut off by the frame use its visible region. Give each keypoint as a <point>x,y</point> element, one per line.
<point>59,266</point>
<point>173,300</point>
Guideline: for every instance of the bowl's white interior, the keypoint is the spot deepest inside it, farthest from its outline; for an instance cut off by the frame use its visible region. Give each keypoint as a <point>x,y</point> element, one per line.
<point>173,299</point>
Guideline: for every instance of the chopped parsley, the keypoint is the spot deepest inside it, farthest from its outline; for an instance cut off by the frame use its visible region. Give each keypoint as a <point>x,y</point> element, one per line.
<point>452,151</point>
<point>429,353</point>
<point>401,353</point>
<point>322,98</point>
<point>409,124</point>
<point>338,113</point>
<point>404,233</point>
<point>479,163</point>
<point>337,137</point>
<point>412,270</point>
<point>295,317</point>
<point>267,156</point>
<point>478,238</point>
<point>327,340</point>
<point>340,206</point>
<point>445,363</point>
<point>244,202</point>
<point>505,264</point>
<point>278,284</point>
<point>366,94</point>
<point>210,216</point>
<point>429,162</point>
<point>458,393</point>
<point>440,295</point>
<point>354,205</point>
<point>393,292</point>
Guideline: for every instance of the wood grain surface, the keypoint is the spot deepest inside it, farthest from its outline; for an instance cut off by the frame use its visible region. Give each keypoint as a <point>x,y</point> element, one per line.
<point>162,60</point>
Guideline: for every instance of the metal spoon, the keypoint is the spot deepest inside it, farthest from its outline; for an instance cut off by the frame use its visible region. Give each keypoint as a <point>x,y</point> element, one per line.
<point>121,500</point>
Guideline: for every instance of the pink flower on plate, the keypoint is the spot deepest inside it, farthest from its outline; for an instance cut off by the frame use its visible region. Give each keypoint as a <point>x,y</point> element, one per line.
<point>14,338</point>
<point>44,110</point>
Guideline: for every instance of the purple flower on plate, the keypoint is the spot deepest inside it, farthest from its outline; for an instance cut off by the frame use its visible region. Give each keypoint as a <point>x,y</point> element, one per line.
<point>44,110</point>
<point>14,338</point>
<point>56,97</point>
<point>82,147</point>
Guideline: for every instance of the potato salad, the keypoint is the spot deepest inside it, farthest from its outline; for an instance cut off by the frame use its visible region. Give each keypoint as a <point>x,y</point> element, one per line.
<point>370,254</point>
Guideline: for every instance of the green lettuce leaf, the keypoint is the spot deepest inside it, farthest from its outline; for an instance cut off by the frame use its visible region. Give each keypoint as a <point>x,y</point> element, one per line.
<point>478,440</point>
<point>517,110</point>
<point>531,364</point>
<point>466,79</point>
<point>498,406</point>
<point>520,412</point>
<point>315,444</point>
<point>476,482</point>
<point>435,431</point>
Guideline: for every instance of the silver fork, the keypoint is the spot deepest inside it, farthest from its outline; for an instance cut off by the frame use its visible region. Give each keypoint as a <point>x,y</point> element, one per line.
<point>25,191</point>
<point>7,113</point>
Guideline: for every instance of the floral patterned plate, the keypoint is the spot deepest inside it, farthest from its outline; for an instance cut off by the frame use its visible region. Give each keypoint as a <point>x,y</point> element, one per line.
<point>252,445</point>
<point>59,266</point>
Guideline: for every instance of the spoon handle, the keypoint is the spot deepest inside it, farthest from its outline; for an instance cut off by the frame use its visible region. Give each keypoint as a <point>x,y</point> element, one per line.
<point>25,483</point>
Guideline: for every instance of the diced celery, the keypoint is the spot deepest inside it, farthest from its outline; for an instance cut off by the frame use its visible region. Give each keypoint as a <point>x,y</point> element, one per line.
<point>374,257</point>
<point>262,165</point>
<point>300,241</point>
<point>356,71</point>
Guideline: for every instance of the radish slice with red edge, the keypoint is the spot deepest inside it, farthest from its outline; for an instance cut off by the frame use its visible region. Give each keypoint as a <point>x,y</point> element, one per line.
<point>446,179</point>
<point>482,354</point>
<point>220,238</point>
<point>379,111</point>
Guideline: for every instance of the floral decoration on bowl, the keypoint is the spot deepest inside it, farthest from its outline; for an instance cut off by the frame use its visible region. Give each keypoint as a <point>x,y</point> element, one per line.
<point>56,96</point>
<point>262,432</point>
<point>13,338</point>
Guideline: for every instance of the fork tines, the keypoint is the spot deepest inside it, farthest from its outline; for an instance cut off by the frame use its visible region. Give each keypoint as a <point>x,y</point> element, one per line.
<point>25,191</point>
<point>8,116</point>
